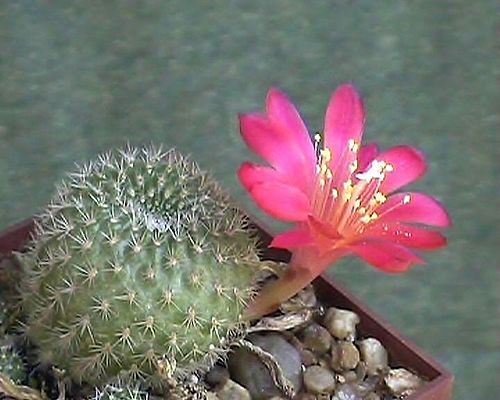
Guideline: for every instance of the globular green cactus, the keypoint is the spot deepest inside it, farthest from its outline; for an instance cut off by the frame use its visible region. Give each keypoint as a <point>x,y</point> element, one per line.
<point>140,268</point>
<point>117,392</point>
<point>12,365</point>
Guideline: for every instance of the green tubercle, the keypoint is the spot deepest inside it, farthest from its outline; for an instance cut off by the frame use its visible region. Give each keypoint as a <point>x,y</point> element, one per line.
<point>12,365</point>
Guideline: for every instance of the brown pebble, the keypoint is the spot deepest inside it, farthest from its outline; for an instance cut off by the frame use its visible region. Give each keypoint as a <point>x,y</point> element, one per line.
<point>341,323</point>
<point>233,391</point>
<point>217,376</point>
<point>348,355</point>
<point>350,376</point>
<point>308,357</point>
<point>372,396</point>
<point>319,380</point>
<point>402,382</point>
<point>316,338</point>
<point>374,355</point>
<point>305,396</point>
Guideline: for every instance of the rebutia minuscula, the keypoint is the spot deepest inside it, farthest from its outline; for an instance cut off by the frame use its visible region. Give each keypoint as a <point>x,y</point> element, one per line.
<point>139,268</point>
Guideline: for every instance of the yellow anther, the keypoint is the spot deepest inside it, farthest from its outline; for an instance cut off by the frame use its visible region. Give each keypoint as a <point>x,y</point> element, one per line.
<point>322,182</point>
<point>380,198</point>
<point>362,210</point>
<point>348,189</point>
<point>335,193</point>
<point>317,138</point>
<point>406,199</point>
<point>351,143</point>
<point>365,219</point>
<point>326,154</point>
<point>389,167</point>
<point>329,174</point>
<point>354,166</point>
<point>373,216</point>
<point>357,203</point>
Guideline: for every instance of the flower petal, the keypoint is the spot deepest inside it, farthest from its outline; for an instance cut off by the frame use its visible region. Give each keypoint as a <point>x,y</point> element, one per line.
<point>413,207</point>
<point>283,115</point>
<point>408,165</point>
<point>406,235</point>
<point>344,119</point>
<point>366,155</point>
<point>281,201</point>
<point>277,148</point>
<point>323,228</point>
<point>251,174</point>
<point>292,239</point>
<point>387,256</point>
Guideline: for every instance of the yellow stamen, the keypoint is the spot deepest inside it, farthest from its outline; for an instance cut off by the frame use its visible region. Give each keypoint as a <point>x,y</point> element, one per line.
<point>380,198</point>
<point>326,154</point>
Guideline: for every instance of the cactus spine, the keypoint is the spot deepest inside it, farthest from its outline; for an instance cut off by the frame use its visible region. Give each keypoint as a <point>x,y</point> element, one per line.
<point>139,268</point>
<point>117,392</point>
<point>11,365</point>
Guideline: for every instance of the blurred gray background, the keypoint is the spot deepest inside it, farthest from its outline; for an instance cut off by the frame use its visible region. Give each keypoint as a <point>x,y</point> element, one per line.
<point>81,77</point>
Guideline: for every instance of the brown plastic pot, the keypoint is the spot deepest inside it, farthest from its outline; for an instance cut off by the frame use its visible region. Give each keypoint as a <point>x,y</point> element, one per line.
<point>402,351</point>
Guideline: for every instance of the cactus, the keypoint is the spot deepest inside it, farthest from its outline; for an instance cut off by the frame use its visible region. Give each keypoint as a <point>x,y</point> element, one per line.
<point>117,392</point>
<point>139,268</point>
<point>12,365</point>
<point>4,311</point>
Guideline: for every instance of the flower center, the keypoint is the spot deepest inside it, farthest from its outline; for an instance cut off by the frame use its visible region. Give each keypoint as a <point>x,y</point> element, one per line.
<point>343,199</point>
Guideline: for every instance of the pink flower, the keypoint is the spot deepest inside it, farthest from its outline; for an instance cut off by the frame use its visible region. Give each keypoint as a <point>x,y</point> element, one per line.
<point>339,194</point>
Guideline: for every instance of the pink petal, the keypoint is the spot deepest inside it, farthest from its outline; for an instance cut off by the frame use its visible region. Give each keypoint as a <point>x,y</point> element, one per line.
<point>283,115</point>
<point>413,207</point>
<point>276,148</point>
<point>344,119</point>
<point>366,155</point>
<point>292,239</point>
<point>408,165</point>
<point>323,228</point>
<point>387,256</point>
<point>251,174</point>
<point>406,235</point>
<point>281,201</point>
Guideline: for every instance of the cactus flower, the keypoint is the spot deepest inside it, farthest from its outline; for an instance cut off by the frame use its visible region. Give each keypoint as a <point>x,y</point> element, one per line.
<point>341,196</point>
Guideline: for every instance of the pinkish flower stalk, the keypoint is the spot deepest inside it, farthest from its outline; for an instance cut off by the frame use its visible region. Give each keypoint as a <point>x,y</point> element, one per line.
<point>338,193</point>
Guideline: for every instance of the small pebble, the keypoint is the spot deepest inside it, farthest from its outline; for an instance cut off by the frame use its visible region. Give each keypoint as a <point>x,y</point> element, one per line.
<point>247,369</point>
<point>347,392</point>
<point>361,371</point>
<point>233,391</point>
<point>402,382</point>
<point>308,357</point>
<point>341,323</point>
<point>349,376</point>
<point>374,355</point>
<point>217,376</point>
<point>305,396</point>
<point>318,380</point>
<point>345,356</point>
<point>372,396</point>
<point>316,338</point>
